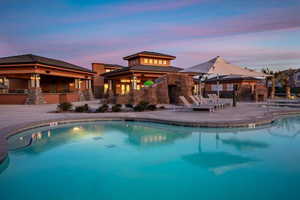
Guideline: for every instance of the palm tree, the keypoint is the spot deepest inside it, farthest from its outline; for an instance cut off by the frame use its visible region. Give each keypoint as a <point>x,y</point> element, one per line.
<point>283,77</point>
<point>272,74</point>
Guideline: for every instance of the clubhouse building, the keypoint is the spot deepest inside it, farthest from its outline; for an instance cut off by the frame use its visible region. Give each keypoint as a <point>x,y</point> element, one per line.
<point>31,79</point>
<point>142,67</point>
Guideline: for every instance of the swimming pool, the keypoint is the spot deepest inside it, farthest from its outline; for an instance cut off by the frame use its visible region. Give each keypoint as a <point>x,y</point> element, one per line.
<point>134,160</point>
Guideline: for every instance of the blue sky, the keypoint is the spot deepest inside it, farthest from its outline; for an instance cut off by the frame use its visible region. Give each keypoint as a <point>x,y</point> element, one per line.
<point>252,33</point>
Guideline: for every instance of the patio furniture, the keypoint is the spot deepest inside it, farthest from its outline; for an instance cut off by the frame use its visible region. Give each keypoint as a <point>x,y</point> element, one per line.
<point>223,102</point>
<point>199,102</point>
<point>196,107</point>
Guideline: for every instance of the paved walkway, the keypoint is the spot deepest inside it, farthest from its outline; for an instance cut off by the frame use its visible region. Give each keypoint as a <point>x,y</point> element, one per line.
<point>14,118</point>
<point>14,115</point>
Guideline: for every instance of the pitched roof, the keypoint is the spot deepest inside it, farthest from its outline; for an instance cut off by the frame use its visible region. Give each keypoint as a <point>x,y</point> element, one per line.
<point>220,66</point>
<point>144,68</point>
<point>150,53</point>
<point>231,78</point>
<point>30,58</point>
<point>113,65</point>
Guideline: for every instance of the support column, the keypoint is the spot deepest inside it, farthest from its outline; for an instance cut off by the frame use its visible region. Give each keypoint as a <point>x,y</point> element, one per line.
<point>200,86</point>
<point>218,85</point>
<point>78,82</point>
<point>133,92</point>
<point>111,93</point>
<point>88,93</point>
<point>35,95</point>
<point>4,81</point>
<point>134,81</point>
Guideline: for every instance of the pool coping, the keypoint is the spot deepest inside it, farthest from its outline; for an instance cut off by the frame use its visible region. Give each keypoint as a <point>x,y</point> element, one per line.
<point>265,119</point>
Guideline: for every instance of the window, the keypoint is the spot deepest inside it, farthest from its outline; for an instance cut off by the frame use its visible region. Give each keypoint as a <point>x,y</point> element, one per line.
<point>146,60</point>
<point>230,87</point>
<point>125,81</point>
<point>108,70</point>
<point>165,62</point>
<point>127,88</point>
<point>155,61</point>
<point>215,87</point>
<point>150,61</point>
<point>122,89</point>
<point>160,62</point>
<point>105,88</point>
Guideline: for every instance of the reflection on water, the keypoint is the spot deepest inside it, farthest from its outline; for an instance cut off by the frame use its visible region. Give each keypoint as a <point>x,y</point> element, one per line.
<point>48,139</point>
<point>242,145</point>
<point>147,135</point>
<point>173,161</point>
<point>217,161</point>
<point>287,127</point>
<point>4,165</point>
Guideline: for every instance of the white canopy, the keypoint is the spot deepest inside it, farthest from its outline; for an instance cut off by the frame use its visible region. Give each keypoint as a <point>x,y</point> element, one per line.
<point>219,66</point>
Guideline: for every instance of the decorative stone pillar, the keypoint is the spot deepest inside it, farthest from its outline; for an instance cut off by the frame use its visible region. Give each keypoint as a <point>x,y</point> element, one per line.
<point>134,82</point>
<point>88,93</point>
<point>110,88</point>
<point>78,82</point>
<point>35,95</point>
<point>111,94</point>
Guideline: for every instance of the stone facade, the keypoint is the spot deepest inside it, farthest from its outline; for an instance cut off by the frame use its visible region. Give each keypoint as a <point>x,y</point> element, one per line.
<point>260,93</point>
<point>88,95</point>
<point>35,96</point>
<point>166,89</point>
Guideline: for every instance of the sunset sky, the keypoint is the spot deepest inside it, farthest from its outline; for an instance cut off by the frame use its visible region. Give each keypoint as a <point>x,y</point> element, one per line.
<point>252,33</point>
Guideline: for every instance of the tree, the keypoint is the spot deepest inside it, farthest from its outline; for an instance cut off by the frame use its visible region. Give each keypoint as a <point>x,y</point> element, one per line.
<point>272,75</point>
<point>283,77</point>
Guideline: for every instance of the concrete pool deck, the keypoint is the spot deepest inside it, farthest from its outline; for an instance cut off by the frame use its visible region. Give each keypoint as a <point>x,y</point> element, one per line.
<point>16,118</point>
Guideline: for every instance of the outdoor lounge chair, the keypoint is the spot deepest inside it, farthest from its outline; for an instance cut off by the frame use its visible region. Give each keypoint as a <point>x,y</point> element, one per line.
<point>217,100</point>
<point>209,101</point>
<point>198,102</point>
<point>225,101</point>
<point>195,107</point>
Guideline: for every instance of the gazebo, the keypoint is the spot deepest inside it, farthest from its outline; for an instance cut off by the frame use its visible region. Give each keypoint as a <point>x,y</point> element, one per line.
<point>220,67</point>
<point>32,79</point>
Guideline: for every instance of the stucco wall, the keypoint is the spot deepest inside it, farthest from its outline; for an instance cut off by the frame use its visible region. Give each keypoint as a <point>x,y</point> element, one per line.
<point>13,98</point>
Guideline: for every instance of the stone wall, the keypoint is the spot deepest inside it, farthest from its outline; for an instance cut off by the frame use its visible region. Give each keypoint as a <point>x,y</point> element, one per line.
<point>35,96</point>
<point>260,93</point>
<point>159,93</point>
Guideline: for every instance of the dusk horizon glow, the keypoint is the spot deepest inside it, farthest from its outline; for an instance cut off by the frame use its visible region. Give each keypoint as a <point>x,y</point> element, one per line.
<point>254,34</point>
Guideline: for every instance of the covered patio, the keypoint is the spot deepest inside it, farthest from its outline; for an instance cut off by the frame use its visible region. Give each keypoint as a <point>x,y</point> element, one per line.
<point>221,77</point>
<point>30,79</point>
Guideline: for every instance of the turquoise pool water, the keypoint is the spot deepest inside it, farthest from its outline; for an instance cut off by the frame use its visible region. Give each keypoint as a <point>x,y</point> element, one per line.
<point>130,160</point>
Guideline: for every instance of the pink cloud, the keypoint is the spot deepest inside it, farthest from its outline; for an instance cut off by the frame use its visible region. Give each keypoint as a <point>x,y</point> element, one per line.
<point>261,20</point>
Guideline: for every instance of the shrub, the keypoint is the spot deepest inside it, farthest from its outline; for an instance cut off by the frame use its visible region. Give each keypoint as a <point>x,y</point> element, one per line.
<point>84,108</point>
<point>144,104</point>
<point>116,108</point>
<point>66,106</point>
<point>103,108</point>
<point>128,105</point>
<point>151,107</point>
<point>162,107</point>
<point>138,108</point>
